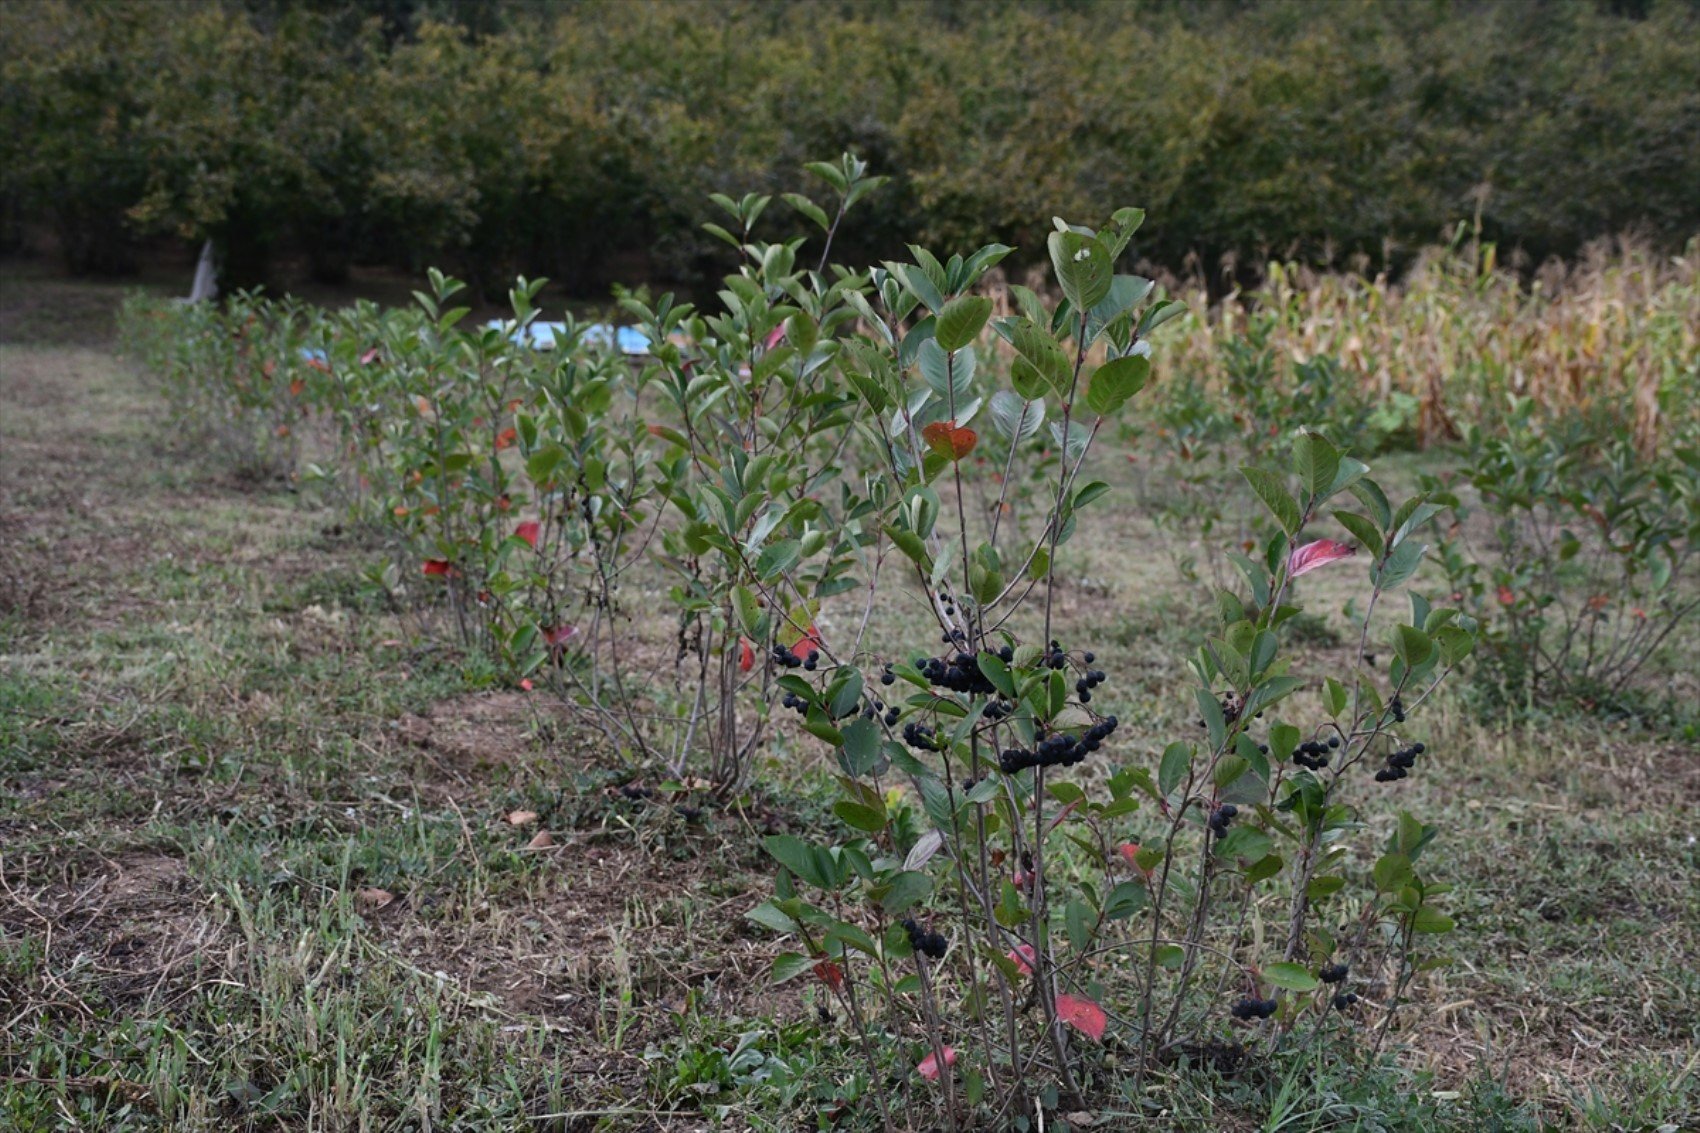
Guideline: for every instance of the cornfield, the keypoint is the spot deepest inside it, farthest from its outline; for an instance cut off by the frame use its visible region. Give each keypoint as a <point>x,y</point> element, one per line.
<point>1614,336</point>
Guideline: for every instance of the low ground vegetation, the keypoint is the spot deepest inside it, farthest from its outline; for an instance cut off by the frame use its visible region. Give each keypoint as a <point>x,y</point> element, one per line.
<point>406,728</point>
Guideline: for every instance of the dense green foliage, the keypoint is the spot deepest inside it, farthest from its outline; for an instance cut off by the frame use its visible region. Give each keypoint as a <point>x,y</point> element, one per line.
<point>575,139</point>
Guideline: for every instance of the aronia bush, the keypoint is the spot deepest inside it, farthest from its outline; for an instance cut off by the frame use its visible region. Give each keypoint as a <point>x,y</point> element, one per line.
<point>1025,903</point>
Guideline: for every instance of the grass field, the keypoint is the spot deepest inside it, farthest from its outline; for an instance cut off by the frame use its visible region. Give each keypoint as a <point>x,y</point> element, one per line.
<point>266,862</point>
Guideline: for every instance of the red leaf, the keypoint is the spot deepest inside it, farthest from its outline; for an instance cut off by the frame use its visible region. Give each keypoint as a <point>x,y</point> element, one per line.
<point>369,357</point>
<point>1023,957</point>
<point>1083,1015</point>
<point>830,974</point>
<point>807,645</point>
<point>746,655</point>
<point>944,438</point>
<point>558,635</point>
<point>505,439</point>
<point>774,337</point>
<point>296,386</point>
<point>526,684</point>
<point>1130,853</point>
<point>1506,597</point>
<point>1318,554</point>
<point>439,566</point>
<point>528,531</point>
<point>928,1067</point>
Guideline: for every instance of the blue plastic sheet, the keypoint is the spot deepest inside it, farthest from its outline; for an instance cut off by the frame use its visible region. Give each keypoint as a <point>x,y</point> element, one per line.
<point>541,336</point>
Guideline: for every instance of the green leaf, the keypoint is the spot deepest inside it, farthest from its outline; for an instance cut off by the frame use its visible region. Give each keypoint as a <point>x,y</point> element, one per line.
<point>1316,462</point>
<point>1291,977</point>
<point>1391,872</point>
<point>1115,382</point>
<point>749,612</point>
<point>861,746</point>
<point>1335,696</point>
<point>1362,529</point>
<point>808,208</point>
<point>1125,900</point>
<point>1083,268</point>
<point>860,816</point>
<point>1177,759</point>
<point>1413,645</point>
<point>1043,355</point>
<point>777,558</point>
<point>1078,921</point>
<point>1016,418</point>
<point>1432,920</point>
<point>1271,489</point>
<point>790,965</point>
<point>799,857</point>
<point>962,320</point>
<point>1159,313</point>
<point>768,915</point>
<point>904,890</point>
<point>995,670</point>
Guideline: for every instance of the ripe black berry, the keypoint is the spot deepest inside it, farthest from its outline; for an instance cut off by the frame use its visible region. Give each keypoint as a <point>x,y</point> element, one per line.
<point>1332,973</point>
<point>1253,1008</point>
<point>1345,1000</point>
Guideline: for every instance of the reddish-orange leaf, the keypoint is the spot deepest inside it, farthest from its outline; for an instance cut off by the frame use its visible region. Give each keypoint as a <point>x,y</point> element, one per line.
<point>746,655</point>
<point>830,974</point>
<point>296,386</point>
<point>528,531</point>
<point>439,567</point>
<point>1083,1015</point>
<point>944,438</point>
<point>506,439</point>
<point>928,1067</point>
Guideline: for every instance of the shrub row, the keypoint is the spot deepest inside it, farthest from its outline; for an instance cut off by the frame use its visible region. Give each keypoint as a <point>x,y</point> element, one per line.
<point>1014,888</point>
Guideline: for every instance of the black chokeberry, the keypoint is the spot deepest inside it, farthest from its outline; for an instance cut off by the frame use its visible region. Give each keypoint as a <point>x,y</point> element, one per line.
<point>1332,973</point>
<point>1253,1008</point>
<point>1345,1000</point>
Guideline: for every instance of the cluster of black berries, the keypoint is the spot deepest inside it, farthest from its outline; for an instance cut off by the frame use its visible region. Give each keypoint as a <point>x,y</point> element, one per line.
<point>1055,658</point>
<point>1397,707</point>
<point>1314,754</point>
<point>949,604</point>
<point>960,673</point>
<point>1345,1000</point>
<point>1332,973</point>
<point>879,709</point>
<point>1399,764</point>
<point>1221,816</point>
<point>921,737</point>
<point>1084,686</point>
<point>1059,749</point>
<point>1231,707</point>
<point>929,944</point>
<point>636,793</point>
<point>785,657</point>
<point>1253,1008</point>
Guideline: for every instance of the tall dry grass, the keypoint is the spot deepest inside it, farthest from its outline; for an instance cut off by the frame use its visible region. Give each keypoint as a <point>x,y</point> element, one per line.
<point>1615,335</point>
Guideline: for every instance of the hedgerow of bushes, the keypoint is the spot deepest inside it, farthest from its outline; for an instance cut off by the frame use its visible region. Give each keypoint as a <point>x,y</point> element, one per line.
<point>575,140</point>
